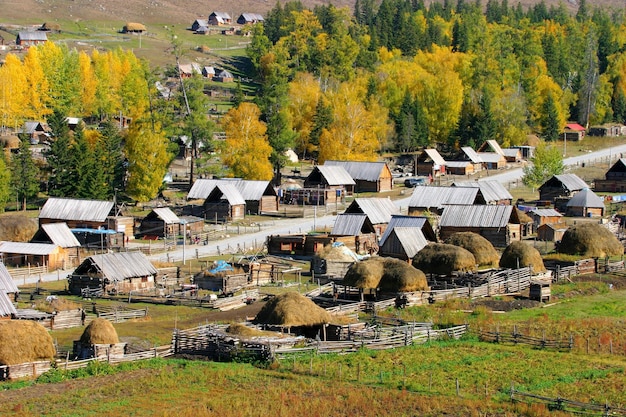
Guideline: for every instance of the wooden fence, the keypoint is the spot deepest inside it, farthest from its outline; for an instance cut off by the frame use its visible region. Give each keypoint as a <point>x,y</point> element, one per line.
<point>518,338</point>
<point>563,404</point>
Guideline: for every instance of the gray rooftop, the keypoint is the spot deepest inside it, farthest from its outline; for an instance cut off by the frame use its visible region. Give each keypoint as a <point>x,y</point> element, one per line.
<point>61,235</point>
<point>471,154</point>
<point>121,265</point>
<point>76,209</point>
<point>361,170</point>
<point>491,157</point>
<point>410,240</point>
<point>349,224</point>
<point>378,210</point>
<point>487,216</point>
<point>249,189</point>
<point>415,222</point>
<point>586,198</point>
<point>26,248</point>
<point>335,174</point>
<point>545,213</point>
<point>492,191</point>
<point>167,215</point>
<point>437,197</point>
<point>7,284</point>
<point>571,182</point>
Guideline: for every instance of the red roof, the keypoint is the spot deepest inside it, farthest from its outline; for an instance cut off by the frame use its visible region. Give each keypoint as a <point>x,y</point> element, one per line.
<point>575,126</point>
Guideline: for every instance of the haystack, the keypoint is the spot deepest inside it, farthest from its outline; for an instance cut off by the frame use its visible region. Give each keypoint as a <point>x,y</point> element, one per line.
<point>520,254</point>
<point>386,274</point>
<point>590,240</point>
<point>482,249</point>
<point>134,27</point>
<point>442,258</point>
<point>292,309</point>
<point>99,332</point>
<point>17,228</point>
<point>24,341</point>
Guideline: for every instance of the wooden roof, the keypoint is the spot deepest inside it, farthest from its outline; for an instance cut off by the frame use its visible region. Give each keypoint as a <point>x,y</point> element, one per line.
<point>352,224</point>
<point>76,209</point>
<point>569,182</point>
<point>7,284</point>
<point>118,266</point>
<point>437,197</point>
<point>482,216</point>
<point>361,170</point>
<point>378,210</point>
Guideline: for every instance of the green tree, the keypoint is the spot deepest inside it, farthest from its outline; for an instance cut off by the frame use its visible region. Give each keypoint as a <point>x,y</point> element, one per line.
<point>59,157</point>
<point>24,173</point>
<point>5,182</point>
<point>82,165</point>
<point>548,161</point>
<point>550,125</point>
<point>109,159</point>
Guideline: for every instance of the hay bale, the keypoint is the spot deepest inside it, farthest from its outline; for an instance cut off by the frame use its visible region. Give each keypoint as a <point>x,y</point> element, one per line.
<point>292,309</point>
<point>400,276</point>
<point>17,228</point>
<point>134,27</point>
<point>24,341</point>
<point>99,332</point>
<point>590,240</point>
<point>442,258</point>
<point>522,254</point>
<point>365,274</point>
<point>482,249</point>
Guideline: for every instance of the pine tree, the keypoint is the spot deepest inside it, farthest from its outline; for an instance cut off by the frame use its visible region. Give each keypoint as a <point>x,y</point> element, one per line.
<point>486,126</point>
<point>110,159</point>
<point>550,120</point>
<point>5,182</point>
<point>619,107</point>
<point>24,173</point>
<point>59,157</point>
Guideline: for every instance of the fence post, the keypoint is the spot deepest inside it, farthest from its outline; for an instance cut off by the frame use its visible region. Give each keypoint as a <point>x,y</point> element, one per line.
<point>457,387</point>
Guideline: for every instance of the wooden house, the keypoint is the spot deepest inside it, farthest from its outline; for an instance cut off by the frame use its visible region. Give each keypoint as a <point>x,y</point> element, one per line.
<point>585,204</point>
<point>614,179</point>
<point>460,167</point>
<point>492,192</point>
<point>606,130</point>
<point>224,203</point>
<point>572,132</point>
<point>260,196</point>
<point>560,188</point>
<point>526,150</point>
<point>551,232</point>
<point>512,155</point>
<point>334,180</point>
<point>377,210</point>
<point>299,246</point>
<point>224,76</point>
<point>405,236</point>
<point>200,25</point>
<point>188,70</point>
<point>160,223</point>
<point>356,232</point>
<point>469,154</point>
<point>220,19</point>
<point>430,163</point>
<point>498,224</point>
<point>368,176</point>
<point>208,72</point>
<point>545,216</point>
<point>30,38</point>
<point>490,146</point>
<point>77,213</point>
<point>433,199</point>
<point>61,235</point>
<point>117,272</point>
<point>250,18</point>
<point>36,131</point>
<point>492,160</point>
<point>19,254</point>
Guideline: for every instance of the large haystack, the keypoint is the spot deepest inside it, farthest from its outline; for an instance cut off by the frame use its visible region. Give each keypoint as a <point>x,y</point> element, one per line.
<point>17,228</point>
<point>441,258</point>
<point>24,341</point>
<point>386,274</point>
<point>520,254</point>
<point>99,332</point>
<point>590,240</point>
<point>292,309</point>
<point>482,249</point>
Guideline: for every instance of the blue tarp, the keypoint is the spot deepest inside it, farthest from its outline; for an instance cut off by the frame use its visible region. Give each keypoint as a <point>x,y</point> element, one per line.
<point>221,266</point>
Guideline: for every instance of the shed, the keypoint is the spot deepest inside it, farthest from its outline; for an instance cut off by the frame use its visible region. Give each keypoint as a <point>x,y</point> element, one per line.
<point>356,232</point>
<point>614,179</point>
<point>403,243</point>
<point>35,254</point>
<point>526,150</point>
<point>418,222</point>
<point>430,162</point>
<point>572,132</point>
<point>608,130</point>
<point>378,211</point>
<point>219,19</point>
<point>76,212</point>
<point>224,203</point>
<point>498,224</point>
<point>551,232</point>
<point>585,204</point>
<point>260,196</point>
<point>493,192</point>
<point>433,199</point>
<point>331,178</point>
<point>57,233</point>
<point>512,154</point>
<point>545,216</point>
<point>250,18</point>
<point>224,76</point>
<point>469,154</point>
<point>208,72</point>
<point>492,160</point>
<point>30,38</point>
<point>200,24</point>
<point>134,27</point>
<point>160,222</point>
<point>562,186</point>
<point>118,272</point>
<point>368,176</point>
<point>460,167</point>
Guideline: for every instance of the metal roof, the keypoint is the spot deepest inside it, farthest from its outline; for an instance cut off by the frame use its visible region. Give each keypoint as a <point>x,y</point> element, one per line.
<point>435,156</point>
<point>223,15</point>
<point>511,152</point>
<point>571,182</point>
<point>471,154</point>
<point>409,240</point>
<point>437,197</point>
<point>494,146</point>
<point>491,157</point>
<point>335,174</point>
<point>546,213</point>
<point>458,164</point>
<point>167,215</point>
<point>487,216</point>
<point>361,170</point>
<point>118,266</point>
<point>350,224</point>
<point>26,248</point>
<point>6,280</point>
<point>252,17</point>
<point>586,198</point>
<point>492,191</point>
<point>201,188</point>
<point>249,190</point>
<point>33,35</point>
<point>76,209</point>
<point>6,306</point>
<point>378,210</point>
<point>230,193</point>
<point>60,234</point>
<point>414,222</point>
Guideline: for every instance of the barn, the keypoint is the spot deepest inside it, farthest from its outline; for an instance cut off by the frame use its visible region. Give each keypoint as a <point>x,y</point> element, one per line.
<point>498,224</point>
<point>585,204</point>
<point>260,196</point>
<point>551,232</point>
<point>377,210</point>
<point>224,203</point>
<point>161,222</point>
<point>492,192</point>
<point>356,232</point>
<point>20,254</point>
<point>430,163</point>
<point>614,179</point>
<point>77,213</point>
<point>30,38</point>
<point>119,272</point>
<point>334,180</point>
<point>560,188</point>
<point>433,199</point>
<point>368,176</point>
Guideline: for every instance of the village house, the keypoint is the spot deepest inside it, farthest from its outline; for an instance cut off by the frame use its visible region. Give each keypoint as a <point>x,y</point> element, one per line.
<point>607,130</point>
<point>37,132</point>
<point>585,204</point>
<point>543,216</point>
<point>250,18</point>
<point>224,203</point>
<point>220,19</point>
<point>372,177</point>
<point>430,163</point>
<point>77,213</point>
<point>460,167</point>
<point>492,192</point>
<point>560,188</point>
<point>356,232</point>
<point>61,235</point>
<point>188,70</point>
<point>224,76</point>
<point>513,155</point>
<point>433,199</point>
<point>114,273</point>
<point>526,150</point>
<point>498,224</point>
<point>297,245</point>
<point>377,210</point>
<point>260,196</point>
<point>161,222</point>
<point>468,154</point>
<point>22,254</point>
<point>551,232</point>
<point>200,25</point>
<point>334,180</point>
<point>30,38</point>
<point>492,160</point>
<point>405,236</point>
<point>573,132</point>
<point>614,180</point>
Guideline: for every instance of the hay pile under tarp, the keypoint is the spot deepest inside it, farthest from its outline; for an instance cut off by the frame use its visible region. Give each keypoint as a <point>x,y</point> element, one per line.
<point>482,249</point>
<point>336,252</point>
<point>520,254</point>
<point>23,341</point>
<point>386,274</point>
<point>442,258</point>
<point>292,309</point>
<point>590,240</point>
<point>99,332</point>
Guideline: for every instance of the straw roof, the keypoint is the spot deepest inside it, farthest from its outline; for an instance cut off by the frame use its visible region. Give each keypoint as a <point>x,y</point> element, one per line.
<point>441,258</point>
<point>24,341</point>
<point>590,240</point>
<point>482,249</point>
<point>520,254</point>
<point>99,332</point>
<point>292,309</point>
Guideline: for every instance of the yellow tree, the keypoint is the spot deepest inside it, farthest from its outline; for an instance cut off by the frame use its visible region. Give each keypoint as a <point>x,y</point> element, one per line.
<point>359,127</point>
<point>304,94</point>
<point>37,86</point>
<point>88,85</point>
<point>246,150</point>
<point>13,94</point>
<point>148,158</point>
